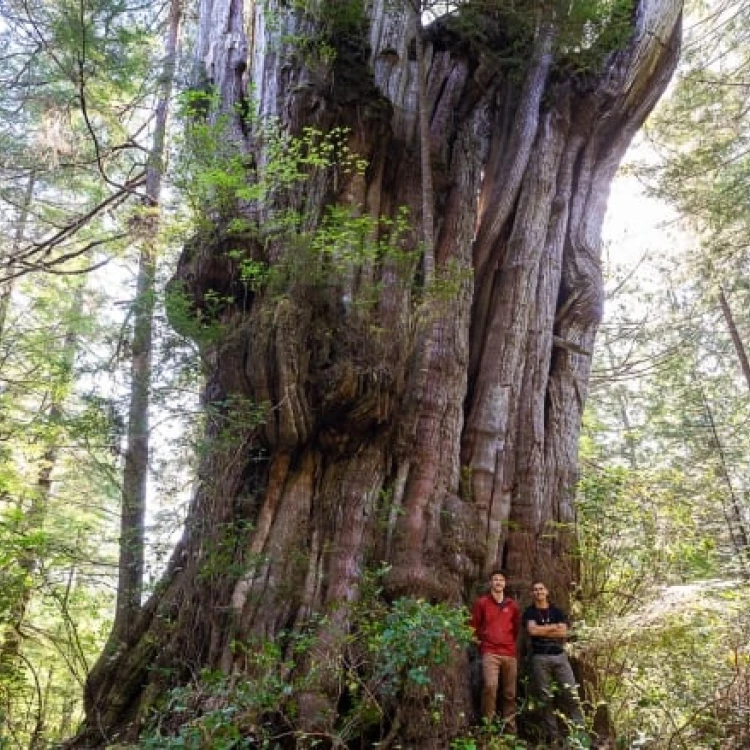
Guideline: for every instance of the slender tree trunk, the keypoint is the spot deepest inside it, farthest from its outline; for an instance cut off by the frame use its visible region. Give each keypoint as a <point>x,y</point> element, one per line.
<point>737,342</point>
<point>443,443</point>
<point>37,740</point>
<point>135,473</point>
<point>6,288</point>
<point>731,504</point>
<point>66,727</point>
<point>732,509</point>
<point>738,525</point>
<point>36,512</point>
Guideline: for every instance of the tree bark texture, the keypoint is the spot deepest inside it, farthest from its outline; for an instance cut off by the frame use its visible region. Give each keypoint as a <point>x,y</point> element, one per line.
<point>434,428</point>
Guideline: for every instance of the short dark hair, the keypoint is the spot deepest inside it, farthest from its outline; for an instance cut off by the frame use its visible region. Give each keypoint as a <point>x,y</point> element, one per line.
<point>497,572</point>
<point>539,581</point>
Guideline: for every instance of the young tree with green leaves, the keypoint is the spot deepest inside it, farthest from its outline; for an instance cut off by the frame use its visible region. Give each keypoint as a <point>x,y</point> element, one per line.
<point>54,519</point>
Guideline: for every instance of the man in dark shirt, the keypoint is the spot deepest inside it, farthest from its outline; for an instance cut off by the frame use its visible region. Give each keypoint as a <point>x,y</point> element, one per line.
<point>547,626</point>
<point>496,620</point>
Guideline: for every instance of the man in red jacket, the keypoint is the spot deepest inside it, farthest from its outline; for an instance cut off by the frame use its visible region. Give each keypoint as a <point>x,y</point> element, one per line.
<point>496,620</point>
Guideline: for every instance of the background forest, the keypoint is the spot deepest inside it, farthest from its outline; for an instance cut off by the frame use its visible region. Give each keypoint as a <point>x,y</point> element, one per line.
<point>101,418</point>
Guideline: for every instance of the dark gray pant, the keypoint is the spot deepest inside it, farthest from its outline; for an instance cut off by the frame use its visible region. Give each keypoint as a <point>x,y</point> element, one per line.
<point>549,670</point>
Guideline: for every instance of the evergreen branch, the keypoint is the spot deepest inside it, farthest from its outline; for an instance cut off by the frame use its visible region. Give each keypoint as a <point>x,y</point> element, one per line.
<point>74,226</point>
<point>51,267</point>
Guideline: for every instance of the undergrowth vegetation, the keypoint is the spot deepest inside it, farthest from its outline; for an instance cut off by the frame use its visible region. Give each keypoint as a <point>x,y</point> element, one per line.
<point>662,625</point>
<point>392,651</point>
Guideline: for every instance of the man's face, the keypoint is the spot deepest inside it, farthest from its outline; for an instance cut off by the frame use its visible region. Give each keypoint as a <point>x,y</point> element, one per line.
<point>539,592</point>
<point>497,583</point>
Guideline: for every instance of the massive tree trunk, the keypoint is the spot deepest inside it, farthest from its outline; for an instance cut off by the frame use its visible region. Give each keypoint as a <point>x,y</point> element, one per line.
<point>431,426</point>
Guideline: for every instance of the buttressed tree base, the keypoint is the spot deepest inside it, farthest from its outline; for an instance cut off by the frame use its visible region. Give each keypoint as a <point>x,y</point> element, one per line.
<point>381,391</point>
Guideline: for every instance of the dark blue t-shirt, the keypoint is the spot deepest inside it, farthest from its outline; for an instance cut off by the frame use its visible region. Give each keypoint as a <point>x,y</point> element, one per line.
<point>550,616</point>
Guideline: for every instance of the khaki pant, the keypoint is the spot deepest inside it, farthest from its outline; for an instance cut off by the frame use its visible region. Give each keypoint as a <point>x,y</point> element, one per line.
<point>552,671</point>
<point>499,669</point>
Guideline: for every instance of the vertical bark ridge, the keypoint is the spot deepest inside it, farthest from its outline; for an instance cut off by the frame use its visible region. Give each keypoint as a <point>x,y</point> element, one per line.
<point>347,497</point>
<point>580,298</point>
<point>529,509</point>
<point>433,465</point>
<point>268,605</point>
<point>434,454</point>
<point>516,156</point>
<point>499,196</point>
<point>493,412</point>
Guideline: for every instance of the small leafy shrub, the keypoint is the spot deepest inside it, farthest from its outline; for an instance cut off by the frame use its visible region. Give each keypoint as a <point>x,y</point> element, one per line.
<point>489,736</point>
<point>413,636</point>
<point>675,674</point>
<point>731,713</point>
<point>217,712</point>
